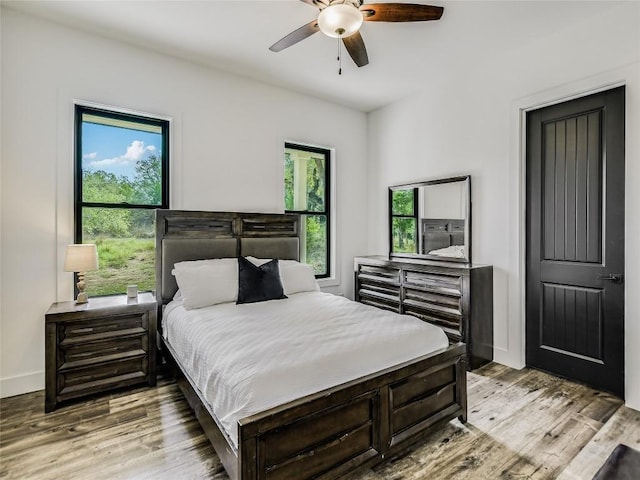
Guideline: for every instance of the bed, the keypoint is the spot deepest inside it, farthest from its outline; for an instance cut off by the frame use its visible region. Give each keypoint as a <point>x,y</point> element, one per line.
<point>347,422</point>
<point>443,237</point>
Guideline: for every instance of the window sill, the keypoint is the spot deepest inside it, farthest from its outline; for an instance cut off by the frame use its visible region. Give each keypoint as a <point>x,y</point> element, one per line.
<point>328,282</point>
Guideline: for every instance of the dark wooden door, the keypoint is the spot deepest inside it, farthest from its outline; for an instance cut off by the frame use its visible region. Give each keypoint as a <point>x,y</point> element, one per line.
<point>575,240</point>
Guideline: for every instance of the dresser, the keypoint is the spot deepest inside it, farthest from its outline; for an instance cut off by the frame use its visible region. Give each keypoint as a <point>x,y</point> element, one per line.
<point>101,345</point>
<point>457,297</point>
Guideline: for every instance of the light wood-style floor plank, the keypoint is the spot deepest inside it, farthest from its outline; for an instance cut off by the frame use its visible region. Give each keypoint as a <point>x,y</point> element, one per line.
<point>622,427</point>
<point>522,425</point>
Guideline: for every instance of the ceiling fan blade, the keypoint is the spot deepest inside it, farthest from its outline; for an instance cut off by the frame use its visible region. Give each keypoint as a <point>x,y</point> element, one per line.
<point>400,12</point>
<point>355,46</point>
<point>316,3</point>
<point>296,36</point>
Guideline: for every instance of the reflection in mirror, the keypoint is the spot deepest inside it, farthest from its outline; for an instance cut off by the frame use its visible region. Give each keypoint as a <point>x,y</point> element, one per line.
<point>431,219</point>
<point>404,223</point>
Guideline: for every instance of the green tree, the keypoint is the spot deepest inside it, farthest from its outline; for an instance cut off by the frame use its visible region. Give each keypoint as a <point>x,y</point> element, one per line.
<point>404,224</point>
<point>104,187</point>
<point>147,186</point>
<point>402,202</point>
<point>288,181</point>
<point>315,185</point>
<point>147,183</point>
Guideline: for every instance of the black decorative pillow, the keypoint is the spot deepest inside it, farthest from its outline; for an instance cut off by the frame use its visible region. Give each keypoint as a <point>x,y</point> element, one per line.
<point>259,284</point>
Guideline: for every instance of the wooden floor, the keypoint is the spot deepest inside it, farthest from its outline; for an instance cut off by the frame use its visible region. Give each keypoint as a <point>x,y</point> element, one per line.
<point>522,425</point>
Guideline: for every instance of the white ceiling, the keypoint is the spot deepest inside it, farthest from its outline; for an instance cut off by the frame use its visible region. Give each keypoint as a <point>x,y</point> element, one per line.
<point>235,35</point>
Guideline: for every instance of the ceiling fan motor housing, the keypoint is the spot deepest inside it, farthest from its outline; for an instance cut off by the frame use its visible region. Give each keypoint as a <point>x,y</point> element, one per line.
<point>340,20</point>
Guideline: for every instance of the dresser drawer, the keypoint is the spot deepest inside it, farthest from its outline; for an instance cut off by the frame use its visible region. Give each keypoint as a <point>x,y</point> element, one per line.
<point>379,275</point>
<point>433,282</point>
<point>443,310</point>
<point>384,294</point>
<point>379,287</point>
<point>451,326</point>
<point>448,304</point>
<point>380,301</point>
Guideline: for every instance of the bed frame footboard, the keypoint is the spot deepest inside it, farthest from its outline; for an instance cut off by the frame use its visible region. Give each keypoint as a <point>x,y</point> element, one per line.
<point>361,422</point>
<point>329,433</point>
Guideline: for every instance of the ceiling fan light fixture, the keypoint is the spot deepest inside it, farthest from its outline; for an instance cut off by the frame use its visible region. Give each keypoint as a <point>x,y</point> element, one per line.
<point>340,20</point>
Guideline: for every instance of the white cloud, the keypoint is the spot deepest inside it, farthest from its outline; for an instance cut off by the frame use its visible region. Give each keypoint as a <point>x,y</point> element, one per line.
<point>135,152</point>
<point>90,155</point>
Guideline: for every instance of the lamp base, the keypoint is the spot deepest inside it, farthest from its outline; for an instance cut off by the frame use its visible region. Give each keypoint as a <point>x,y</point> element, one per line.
<point>82,295</point>
<point>82,298</point>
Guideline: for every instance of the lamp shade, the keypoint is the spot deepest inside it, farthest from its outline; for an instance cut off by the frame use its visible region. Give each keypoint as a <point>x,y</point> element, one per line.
<point>81,258</point>
<point>340,20</point>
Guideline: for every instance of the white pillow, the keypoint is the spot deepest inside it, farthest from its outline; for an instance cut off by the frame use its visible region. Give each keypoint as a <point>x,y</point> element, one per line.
<point>232,261</point>
<point>261,261</point>
<point>295,276</point>
<point>298,277</point>
<point>207,282</point>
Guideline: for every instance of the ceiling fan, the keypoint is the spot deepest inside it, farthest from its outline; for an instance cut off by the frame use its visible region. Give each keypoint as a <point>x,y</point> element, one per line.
<point>342,19</point>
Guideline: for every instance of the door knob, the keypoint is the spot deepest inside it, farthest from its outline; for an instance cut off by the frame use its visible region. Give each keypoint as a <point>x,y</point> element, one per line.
<point>613,277</point>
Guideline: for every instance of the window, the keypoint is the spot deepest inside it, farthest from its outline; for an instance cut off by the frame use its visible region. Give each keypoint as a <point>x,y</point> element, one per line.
<point>404,220</point>
<point>307,192</point>
<point>121,178</point>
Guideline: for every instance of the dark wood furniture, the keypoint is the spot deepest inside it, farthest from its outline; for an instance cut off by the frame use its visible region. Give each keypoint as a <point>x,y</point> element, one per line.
<point>456,297</point>
<point>326,434</point>
<point>105,344</point>
<point>440,233</point>
<point>622,464</point>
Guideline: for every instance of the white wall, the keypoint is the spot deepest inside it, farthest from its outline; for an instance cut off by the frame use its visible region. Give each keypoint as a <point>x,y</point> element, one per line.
<point>227,144</point>
<point>445,200</point>
<point>472,114</point>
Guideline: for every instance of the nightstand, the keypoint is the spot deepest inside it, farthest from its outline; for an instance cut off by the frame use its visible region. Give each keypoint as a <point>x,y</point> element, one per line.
<point>90,348</point>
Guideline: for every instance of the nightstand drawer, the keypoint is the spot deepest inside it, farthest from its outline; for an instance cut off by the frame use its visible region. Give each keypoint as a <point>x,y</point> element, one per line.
<point>102,328</point>
<point>78,354</point>
<point>97,378</point>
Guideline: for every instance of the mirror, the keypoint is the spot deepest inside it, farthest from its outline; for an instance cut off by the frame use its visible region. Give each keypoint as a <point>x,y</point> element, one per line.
<point>431,220</point>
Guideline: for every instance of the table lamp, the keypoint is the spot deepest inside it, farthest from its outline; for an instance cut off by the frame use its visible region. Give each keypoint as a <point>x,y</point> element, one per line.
<point>81,258</point>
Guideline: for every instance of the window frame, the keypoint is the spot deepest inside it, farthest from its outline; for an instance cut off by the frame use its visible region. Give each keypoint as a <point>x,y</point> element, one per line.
<point>79,203</point>
<point>328,204</point>
<point>415,216</point>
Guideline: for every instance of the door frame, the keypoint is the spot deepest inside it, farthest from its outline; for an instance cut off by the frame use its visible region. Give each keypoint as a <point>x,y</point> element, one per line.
<point>515,352</point>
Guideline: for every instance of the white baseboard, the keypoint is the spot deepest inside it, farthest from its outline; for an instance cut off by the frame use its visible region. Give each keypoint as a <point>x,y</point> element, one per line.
<point>31,382</point>
<point>504,357</point>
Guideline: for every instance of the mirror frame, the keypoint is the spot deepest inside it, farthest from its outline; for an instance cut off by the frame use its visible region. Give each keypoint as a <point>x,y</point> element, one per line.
<point>467,224</point>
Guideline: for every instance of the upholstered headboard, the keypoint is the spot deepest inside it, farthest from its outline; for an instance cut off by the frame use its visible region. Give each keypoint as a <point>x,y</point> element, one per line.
<point>440,233</point>
<point>189,235</point>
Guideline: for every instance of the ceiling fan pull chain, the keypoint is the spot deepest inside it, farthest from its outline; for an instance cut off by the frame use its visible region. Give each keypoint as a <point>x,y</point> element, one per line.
<point>339,56</point>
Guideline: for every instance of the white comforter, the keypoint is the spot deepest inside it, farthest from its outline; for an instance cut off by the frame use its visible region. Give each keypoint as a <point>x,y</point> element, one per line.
<point>247,358</point>
<point>453,251</point>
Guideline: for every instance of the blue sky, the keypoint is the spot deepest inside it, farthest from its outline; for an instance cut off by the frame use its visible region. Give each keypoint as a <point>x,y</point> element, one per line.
<point>116,150</point>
